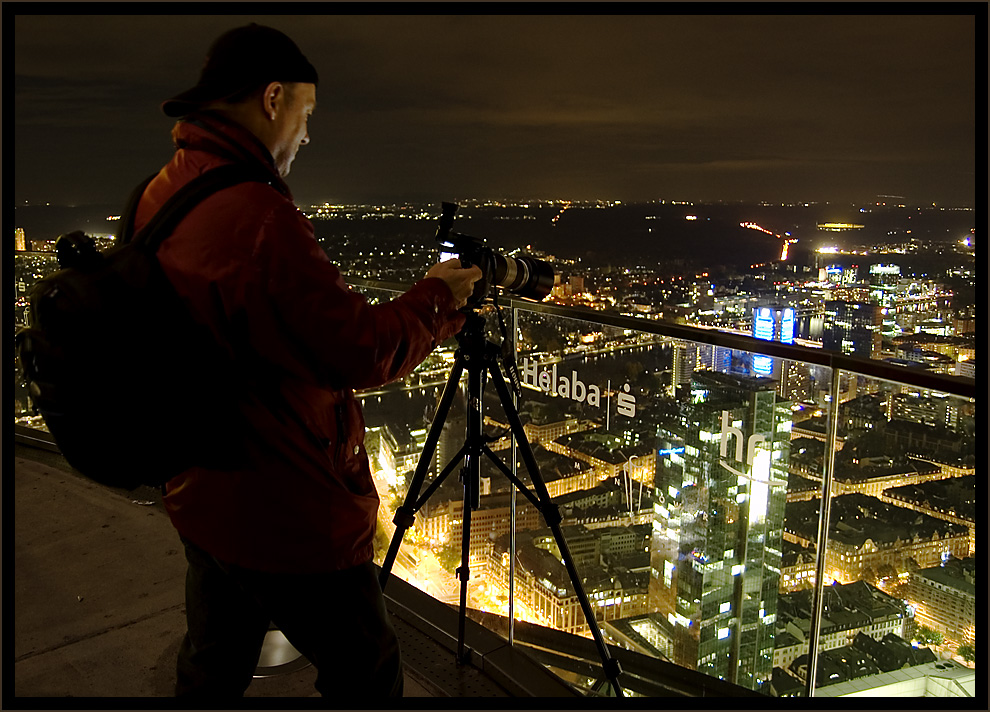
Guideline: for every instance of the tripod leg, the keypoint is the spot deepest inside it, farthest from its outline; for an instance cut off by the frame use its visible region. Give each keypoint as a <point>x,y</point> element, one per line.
<point>463,572</point>
<point>551,515</point>
<point>471,479</point>
<point>405,515</point>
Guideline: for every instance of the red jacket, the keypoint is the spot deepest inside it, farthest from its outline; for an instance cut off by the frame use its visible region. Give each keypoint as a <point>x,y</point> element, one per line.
<point>247,263</point>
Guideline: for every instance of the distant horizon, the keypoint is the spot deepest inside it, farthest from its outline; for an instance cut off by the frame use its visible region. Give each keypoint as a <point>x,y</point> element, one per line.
<point>395,201</point>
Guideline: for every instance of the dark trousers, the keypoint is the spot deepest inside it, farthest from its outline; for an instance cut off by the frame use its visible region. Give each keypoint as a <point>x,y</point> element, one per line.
<point>337,620</point>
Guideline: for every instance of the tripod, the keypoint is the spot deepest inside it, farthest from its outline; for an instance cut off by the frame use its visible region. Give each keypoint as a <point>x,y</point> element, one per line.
<point>480,357</point>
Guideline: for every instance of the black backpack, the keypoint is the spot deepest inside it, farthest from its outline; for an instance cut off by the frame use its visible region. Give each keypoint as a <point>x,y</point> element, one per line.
<point>133,390</point>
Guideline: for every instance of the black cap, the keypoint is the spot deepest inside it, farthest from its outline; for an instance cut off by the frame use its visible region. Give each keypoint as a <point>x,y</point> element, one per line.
<point>242,59</point>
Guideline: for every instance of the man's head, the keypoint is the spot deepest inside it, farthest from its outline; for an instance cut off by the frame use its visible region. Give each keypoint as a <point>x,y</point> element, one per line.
<point>258,77</point>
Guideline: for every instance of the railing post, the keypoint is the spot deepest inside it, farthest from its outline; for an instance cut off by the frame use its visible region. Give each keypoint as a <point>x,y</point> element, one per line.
<point>512,496</point>
<point>823,526</point>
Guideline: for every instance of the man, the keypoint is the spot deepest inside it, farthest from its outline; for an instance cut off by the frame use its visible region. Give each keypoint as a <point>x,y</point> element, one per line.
<point>288,536</point>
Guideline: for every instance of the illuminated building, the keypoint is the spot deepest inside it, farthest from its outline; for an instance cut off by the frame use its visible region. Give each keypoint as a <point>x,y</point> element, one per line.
<point>685,360</point>
<point>884,275</point>
<point>869,476</point>
<point>443,521</point>
<point>837,274</point>
<point>613,502</point>
<point>957,347</point>
<point>771,323</point>
<point>609,455</point>
<point>944,598</point>
<point>870,539</point>
<point>925,409</point>
<point>797,571</point>
<point>839,227</point>
<point>883,281</point>
<point>548,431</point>
<point>561,474</point>
<point>20,240</point>
<point>952,499</point>
<point>544,587</point>
<point>848,610</point>
<point>966,369</point>
<point>720,493</point>
<point>852,328</point>
<point>399,447</point>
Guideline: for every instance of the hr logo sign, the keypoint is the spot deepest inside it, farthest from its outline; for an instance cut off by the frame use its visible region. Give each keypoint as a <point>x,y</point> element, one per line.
<point>754,454</point>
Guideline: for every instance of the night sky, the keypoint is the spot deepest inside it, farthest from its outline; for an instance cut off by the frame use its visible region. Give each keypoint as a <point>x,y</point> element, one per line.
<point>623,107</point>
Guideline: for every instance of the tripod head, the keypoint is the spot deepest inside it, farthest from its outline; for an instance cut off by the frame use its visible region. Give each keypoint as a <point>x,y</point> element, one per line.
<point>473,341</point>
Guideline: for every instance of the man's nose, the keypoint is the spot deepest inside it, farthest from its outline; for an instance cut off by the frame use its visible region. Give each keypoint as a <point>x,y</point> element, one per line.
<point>305,139</point>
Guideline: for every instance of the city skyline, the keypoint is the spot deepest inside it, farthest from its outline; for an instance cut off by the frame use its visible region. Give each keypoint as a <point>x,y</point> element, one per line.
<point>783,107</point>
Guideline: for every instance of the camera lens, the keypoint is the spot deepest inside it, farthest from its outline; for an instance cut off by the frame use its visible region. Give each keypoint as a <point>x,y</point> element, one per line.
<point>525,276</point>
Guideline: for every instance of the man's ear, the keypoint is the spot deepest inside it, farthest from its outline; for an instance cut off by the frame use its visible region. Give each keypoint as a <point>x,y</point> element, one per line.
<point>272,99</point>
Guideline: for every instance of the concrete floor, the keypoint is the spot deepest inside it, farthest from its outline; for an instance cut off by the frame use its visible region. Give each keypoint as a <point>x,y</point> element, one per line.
<point>98,581</point>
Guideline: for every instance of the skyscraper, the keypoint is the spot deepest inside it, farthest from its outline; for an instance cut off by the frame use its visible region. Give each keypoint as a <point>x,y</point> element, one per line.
<point>721,483</point>
<point>852,328</point>
<point>772,323</point>
<point>685,359</point>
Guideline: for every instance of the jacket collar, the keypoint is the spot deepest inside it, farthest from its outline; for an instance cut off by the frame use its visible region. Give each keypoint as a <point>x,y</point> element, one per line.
<point>216,134</point>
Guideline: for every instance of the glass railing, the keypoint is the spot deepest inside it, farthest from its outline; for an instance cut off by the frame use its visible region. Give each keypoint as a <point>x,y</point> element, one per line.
<point>689,467</point>
<point>784,519</point>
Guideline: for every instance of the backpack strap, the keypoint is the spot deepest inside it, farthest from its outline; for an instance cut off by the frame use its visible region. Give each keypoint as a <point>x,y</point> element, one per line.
<point>126,230</point>
<point>189,196</point>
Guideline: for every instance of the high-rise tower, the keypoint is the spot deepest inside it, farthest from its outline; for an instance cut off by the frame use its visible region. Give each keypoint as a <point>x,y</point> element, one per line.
<point>685,360</point>
<point>721,482</point>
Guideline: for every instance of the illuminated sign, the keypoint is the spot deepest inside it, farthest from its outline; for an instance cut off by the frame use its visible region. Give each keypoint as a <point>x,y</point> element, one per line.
<point>787,326</point>
<point>763,324</point>
<point>538,377</point>
<point>763,365</point>
<point>774,325</point>
<point>757,460</point>
<point>670,451</point>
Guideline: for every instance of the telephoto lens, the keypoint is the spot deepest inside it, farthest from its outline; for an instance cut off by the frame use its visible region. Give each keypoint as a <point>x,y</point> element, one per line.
<point>524,276</point>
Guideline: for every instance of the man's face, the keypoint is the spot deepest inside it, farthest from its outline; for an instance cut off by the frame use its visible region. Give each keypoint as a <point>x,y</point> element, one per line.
<point>291,130</point>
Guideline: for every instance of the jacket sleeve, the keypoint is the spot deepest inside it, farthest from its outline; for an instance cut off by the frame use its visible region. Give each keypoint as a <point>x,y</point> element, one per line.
<point>333,332</point>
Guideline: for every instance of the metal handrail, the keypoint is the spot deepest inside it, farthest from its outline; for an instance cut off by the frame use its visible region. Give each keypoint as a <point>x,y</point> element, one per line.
<point>954,385</point>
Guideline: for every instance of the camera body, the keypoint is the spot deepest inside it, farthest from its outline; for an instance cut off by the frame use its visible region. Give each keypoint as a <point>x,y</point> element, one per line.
<point>524,276</point>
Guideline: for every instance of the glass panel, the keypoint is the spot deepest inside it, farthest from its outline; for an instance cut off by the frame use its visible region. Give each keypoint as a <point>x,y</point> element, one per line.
<point>398,418</point>
<point>582,407</point>
<point>900,567</point>
<point>670,461</point>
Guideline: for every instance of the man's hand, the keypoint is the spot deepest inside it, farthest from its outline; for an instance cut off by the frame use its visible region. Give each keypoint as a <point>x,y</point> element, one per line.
<point>460,280</point>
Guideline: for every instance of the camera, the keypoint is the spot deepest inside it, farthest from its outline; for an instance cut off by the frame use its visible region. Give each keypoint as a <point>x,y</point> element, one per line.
<point>524,276</point>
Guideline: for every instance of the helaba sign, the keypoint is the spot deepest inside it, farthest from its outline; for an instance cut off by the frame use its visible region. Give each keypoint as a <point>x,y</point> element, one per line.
<point>572,387</point>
